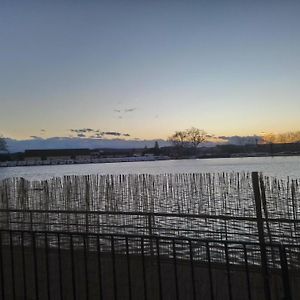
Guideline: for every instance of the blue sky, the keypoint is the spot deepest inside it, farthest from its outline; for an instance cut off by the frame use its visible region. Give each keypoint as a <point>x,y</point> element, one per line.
<point>148,68</point>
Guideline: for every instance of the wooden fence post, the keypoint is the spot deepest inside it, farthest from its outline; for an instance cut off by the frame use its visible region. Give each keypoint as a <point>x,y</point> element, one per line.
<point>260,227</point>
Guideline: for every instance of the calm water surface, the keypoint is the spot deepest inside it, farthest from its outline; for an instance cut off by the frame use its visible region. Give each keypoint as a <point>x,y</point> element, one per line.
<point>273,166</point>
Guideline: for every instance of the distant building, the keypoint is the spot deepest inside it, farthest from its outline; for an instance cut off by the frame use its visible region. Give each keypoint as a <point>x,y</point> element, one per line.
<point>57,154</point>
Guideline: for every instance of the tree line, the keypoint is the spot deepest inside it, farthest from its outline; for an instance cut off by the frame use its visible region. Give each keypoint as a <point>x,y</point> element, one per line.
<point>282,138</point>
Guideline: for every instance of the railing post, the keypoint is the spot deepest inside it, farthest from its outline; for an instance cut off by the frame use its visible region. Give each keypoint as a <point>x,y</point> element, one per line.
<point>1,269</point>
<point>86,222</point>
<point>265,210</point>
<point>285,273</point>
<point>260,227</point>
<point>31,220</point>
<point>150,233</point>
<point>294,205</point>
<point>152,262</point>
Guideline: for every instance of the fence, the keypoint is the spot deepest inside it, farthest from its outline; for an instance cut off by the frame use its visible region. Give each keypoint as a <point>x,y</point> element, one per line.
<point>215,194</point>
<point>222,227</point>
<point>218,206</point>
<point>59,265</point>
<point>104,237</point>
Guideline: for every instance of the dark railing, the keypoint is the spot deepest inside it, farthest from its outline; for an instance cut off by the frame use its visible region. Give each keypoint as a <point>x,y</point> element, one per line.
<point>60,265</point>
<point>83,254</point>
<point>223,227</point>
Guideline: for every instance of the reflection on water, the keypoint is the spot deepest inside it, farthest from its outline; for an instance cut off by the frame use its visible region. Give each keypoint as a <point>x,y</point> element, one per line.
<point>273,166</point>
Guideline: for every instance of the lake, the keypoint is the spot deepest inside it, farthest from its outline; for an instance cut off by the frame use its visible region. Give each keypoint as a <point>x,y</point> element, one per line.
<point>281,167</point>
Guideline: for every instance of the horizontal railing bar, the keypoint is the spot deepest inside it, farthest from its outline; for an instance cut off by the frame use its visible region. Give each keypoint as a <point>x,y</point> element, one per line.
<point>147,214</point>
<point>138,236</point>
<point>105,226</point>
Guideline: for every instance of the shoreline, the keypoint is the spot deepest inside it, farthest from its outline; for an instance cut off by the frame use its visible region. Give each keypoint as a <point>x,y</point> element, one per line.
<point>12,164</point>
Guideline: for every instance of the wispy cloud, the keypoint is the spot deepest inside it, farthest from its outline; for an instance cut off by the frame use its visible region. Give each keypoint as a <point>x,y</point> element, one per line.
<point>114,133</point>
<point>129,109</point>
<point>126,110</point>
<point>122,112</point>
<point>82,130</point>
<point>96,133</point>
<point>97,136</point>
<point>222,137</point>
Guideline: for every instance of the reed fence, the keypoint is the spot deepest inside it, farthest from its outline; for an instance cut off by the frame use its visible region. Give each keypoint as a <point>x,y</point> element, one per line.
<point>216,194</point>
<point>193,205</point>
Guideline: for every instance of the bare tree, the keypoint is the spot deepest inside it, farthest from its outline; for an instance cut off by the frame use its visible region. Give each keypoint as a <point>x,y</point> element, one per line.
<point>196,136</point>
<point>269,138</point>
<point>192,137</point>
<point>179,138</point>
<point>282,138</point>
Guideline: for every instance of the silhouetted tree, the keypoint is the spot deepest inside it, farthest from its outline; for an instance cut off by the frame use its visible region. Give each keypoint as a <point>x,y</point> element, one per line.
<point>281,138</point>
<point>145,150</point>
<point>3,144</point>
<point>156,149</point>
<point>192,137</point>
<point>187,141</point>
<point>179,139</point>
<point>269,138</point>
<point>195,136</point>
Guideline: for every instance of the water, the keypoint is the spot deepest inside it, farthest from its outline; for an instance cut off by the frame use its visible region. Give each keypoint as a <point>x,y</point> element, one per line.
<point>280,167</point>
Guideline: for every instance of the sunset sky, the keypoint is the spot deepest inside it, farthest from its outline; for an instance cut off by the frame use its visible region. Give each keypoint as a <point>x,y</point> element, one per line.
<point>148,68</point>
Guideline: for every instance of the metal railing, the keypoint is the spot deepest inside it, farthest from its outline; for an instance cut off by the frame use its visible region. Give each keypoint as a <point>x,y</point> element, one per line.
<point>223,227</point>
<point>82,254</point>
<point>65,265</point>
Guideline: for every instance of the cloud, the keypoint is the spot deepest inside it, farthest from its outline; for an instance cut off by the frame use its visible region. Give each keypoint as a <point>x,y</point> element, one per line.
<point>222,137</point>
<point>123,112</point>
<point>114,133</point>
<point>126,110</point>
<point>96,133</point>
<point>97,136</point>
<point>82,130</point>
<point>129,109</point>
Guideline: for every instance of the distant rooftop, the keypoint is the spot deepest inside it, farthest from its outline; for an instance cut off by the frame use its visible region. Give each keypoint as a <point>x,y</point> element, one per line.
<point>56,152</point>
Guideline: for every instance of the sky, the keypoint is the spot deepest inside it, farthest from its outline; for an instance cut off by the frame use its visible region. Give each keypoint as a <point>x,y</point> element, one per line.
<point>145,69</point>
